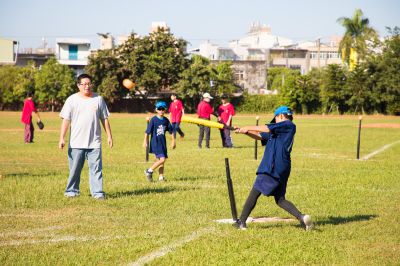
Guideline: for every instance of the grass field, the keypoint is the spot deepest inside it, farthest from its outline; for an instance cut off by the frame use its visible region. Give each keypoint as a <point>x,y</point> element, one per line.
<point>355,203</point>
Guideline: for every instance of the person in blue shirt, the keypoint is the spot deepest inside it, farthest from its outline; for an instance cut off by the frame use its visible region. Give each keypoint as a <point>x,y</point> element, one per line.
<point>274,169</point>
<point>157,128</point>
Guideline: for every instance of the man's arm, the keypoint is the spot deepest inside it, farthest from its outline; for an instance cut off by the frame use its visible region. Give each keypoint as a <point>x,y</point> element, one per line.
<point>107,128</point>
<point>63,132</point>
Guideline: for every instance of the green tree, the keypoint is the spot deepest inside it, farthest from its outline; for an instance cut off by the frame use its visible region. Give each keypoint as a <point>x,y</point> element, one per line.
<point>359,93</point>
<point>332,93</point>
<point>107,72</point>
<point>306,93</point>
<point>285,84</point>
<point>386,72</point>
<point>356,36</point>
<point>25,80</point>
<point>195,81</point>
<point>223,79</point>
<point>8,80</point>
<point>54,83</point>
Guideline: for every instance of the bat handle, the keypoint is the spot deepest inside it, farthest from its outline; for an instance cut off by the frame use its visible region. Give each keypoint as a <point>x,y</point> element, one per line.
<point>229,127</point>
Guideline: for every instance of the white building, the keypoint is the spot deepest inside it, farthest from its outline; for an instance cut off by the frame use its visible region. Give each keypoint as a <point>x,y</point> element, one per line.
<point>253,46</point>
<point>73,52</point>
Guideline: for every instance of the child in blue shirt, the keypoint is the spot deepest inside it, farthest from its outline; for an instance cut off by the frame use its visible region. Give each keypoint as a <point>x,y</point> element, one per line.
<point>274,169</point>
<point>157,127</point>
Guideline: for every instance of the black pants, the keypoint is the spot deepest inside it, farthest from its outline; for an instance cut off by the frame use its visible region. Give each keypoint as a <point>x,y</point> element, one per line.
<point>204,131</point>
<point>280,201</point>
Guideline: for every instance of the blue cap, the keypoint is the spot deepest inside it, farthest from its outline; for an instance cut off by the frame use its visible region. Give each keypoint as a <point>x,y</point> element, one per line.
<point>161,104</point>
<point>281,110</point>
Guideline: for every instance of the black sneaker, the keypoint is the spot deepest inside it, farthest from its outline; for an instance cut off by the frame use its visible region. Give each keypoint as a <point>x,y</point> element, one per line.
<point>240,225</point>
<point>149,175</point>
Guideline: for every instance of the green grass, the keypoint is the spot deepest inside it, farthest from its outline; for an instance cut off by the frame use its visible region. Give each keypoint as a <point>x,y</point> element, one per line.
<point>355,204</point>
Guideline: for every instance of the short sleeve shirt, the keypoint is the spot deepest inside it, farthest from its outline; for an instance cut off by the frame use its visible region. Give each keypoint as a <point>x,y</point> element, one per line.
<point>29,107</point>
<point>157,128</point>
<point>204,110</point>
<point>224,111</point>
<point>84,115</point>
<point>175,109</point>
<point>276,161</point>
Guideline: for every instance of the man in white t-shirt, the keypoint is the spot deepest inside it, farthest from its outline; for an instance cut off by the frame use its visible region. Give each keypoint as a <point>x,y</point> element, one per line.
<point>84,111</point>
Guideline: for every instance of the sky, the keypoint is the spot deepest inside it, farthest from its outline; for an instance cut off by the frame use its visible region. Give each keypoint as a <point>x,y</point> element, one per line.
<point>219,21</point>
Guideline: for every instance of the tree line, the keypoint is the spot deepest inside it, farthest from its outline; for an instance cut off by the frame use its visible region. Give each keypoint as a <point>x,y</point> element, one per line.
<point>158,63</point>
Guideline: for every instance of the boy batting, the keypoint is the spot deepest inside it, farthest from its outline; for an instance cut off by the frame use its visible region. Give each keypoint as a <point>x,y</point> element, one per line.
<point>274,169</point>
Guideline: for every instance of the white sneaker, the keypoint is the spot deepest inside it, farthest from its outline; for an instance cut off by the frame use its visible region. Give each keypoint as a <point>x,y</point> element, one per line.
<point>307,222</point>
<point>149,175</point>
<point>161,178</point>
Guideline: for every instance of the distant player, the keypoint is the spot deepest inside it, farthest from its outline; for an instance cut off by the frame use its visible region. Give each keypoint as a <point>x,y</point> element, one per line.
<point>26,118</point>
<point>225,113</point>
<point>176,111</point>
<point>157,128</point>
<point>274,169</point>
<point>204,111</point>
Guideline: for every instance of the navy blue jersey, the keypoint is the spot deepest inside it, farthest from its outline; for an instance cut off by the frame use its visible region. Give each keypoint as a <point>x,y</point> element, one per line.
<point>276,160</point>
<point>157,128</point>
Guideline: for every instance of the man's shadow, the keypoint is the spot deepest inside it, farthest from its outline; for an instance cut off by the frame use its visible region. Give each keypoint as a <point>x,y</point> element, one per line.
<point>336,220</point>
<point>144,191</point>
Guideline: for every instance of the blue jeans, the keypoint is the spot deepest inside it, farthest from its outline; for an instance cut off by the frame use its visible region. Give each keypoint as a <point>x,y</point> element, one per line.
<point>176,128</point>
<point>76,159</point>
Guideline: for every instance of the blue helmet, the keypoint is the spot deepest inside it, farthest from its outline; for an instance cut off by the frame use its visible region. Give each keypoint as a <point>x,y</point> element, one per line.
<point>161,104</point>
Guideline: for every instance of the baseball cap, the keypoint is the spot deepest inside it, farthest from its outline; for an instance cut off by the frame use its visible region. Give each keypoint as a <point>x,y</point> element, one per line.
<point>207,95</point>
<point>282,110</point>
<point>161,104</point>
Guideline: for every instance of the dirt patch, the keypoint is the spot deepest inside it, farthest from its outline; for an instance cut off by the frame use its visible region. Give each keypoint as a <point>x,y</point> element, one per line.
<point>381,125</point>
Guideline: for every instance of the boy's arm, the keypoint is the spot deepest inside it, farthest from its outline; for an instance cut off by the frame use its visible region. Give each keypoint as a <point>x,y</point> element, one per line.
<point>63,131</point>
<point>253,131</point>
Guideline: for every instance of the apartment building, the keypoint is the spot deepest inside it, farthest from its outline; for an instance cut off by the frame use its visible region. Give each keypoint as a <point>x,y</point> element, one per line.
<point>73,52</point>
<point>260,49</point>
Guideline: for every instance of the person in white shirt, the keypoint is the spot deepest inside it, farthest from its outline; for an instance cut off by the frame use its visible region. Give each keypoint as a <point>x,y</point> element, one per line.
<point>84,111</point>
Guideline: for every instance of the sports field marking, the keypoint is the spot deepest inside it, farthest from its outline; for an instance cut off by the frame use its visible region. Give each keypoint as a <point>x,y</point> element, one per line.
<point>366,157</point>
<point>31,232</point>
<point>56,240</point>
<point>171,247</point>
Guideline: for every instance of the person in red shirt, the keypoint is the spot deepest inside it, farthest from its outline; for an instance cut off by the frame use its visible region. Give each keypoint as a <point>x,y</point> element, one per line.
<point>26,118</point>
<point>176,110</point>
<point>204,111</point>
<point>225,114</point>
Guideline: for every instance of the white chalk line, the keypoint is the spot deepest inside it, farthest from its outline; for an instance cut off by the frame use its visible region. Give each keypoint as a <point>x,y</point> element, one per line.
<point>33,232</point>
<point>56,240</point>
<point>171,247</point>
<point>366,157</point>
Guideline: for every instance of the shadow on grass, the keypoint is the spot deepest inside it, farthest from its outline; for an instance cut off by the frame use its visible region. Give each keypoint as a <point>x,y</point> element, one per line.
<point>143,191</point>
<point>343,220</point>
<point>25,174</point>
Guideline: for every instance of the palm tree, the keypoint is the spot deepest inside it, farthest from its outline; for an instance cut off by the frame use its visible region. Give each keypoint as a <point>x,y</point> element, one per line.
<point>357,34</point>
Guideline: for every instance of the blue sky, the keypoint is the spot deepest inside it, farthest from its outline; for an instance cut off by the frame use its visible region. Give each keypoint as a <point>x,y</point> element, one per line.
<point>28,21</point>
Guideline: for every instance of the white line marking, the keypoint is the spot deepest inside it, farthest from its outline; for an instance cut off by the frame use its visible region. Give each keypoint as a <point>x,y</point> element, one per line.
<point>366,157</point>
<point>55,240</point>
<point>31,232</point>
<point>171,247</point>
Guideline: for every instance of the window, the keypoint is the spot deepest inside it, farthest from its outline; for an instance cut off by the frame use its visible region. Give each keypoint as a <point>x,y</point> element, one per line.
<point>239,75</point>
<point>73,52</point>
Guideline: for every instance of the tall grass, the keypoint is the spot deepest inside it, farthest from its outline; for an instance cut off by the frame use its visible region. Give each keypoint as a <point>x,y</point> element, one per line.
<point>355,204</point>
